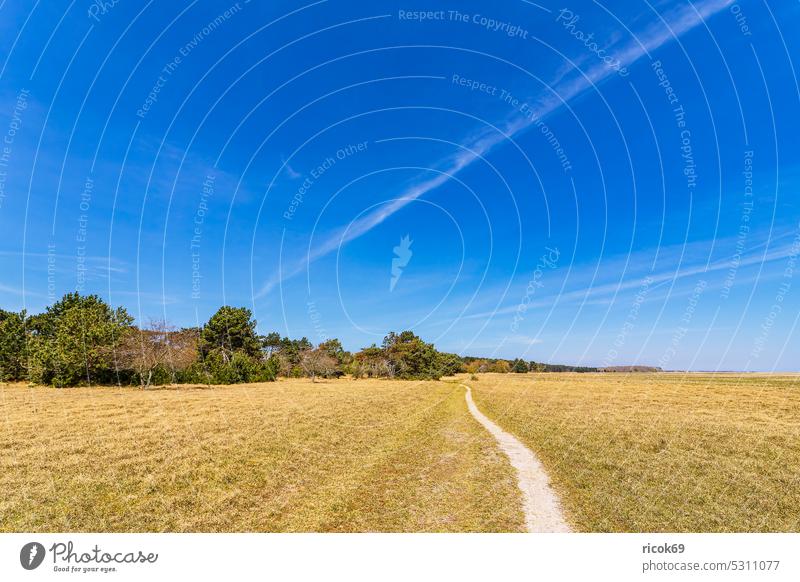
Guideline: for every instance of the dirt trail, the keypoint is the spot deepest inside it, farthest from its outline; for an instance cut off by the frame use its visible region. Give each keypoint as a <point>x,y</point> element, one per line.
<point>540,503</point>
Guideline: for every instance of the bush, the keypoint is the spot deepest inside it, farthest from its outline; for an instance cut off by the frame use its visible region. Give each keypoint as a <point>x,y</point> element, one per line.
<point>238,369</point>
<point>193,374</point>
<point>449,364</point>
<point>519,366</point>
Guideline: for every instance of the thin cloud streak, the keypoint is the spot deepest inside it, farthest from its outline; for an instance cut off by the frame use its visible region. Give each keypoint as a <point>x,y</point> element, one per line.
<point>781,252</point>
<point>678,22</point>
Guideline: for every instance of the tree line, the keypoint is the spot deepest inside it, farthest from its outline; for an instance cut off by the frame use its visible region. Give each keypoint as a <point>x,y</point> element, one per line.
<point>518,365</point>
<point>81,340</point>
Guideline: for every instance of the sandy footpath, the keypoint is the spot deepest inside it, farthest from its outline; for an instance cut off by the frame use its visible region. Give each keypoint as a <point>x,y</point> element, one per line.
<point>540,503</point>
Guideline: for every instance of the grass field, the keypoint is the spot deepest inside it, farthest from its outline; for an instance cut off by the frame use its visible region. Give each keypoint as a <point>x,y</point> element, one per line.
<point>659,452</point>
<point>367,455</point>
<point>626,452</point>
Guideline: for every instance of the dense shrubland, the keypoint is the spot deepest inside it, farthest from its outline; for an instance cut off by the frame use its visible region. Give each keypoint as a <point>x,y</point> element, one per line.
<point>81,340</point>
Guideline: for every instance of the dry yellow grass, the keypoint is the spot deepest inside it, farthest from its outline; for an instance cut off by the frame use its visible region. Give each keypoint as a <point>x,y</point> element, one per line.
<point>660,452</point>
<point>627,452</point>
<point>340,455</point>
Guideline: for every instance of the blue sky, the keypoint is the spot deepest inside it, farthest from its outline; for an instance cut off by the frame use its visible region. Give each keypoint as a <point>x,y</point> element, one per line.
<point>586,183</point>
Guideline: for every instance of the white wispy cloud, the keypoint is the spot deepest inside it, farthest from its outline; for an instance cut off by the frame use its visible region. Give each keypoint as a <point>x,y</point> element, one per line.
<point>663,276</point>
<point>671,25</point>
<point>11,290</point>
<point>291,172</point>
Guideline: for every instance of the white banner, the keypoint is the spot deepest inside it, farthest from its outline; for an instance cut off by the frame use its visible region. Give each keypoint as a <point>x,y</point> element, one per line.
<point>371,557</point>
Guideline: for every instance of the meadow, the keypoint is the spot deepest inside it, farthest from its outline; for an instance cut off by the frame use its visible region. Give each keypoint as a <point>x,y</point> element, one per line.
<point>625,453</point>
<point>286,456</point>
<point>659,452</point>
